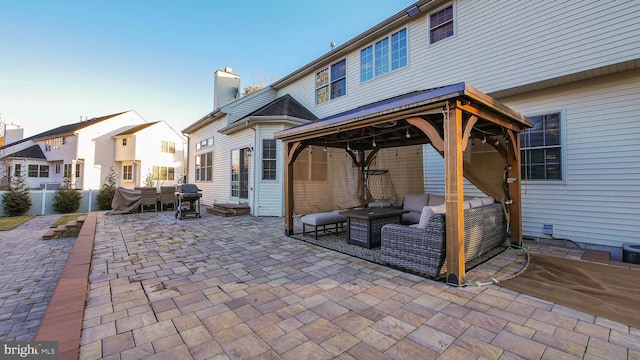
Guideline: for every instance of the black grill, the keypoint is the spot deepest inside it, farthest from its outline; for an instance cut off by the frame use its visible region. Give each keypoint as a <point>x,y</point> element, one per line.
<point>188,200</point>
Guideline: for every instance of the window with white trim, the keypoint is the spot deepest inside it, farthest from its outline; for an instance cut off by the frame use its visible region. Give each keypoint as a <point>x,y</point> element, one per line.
<point>441,24</point>
<point>38,171</point>
<point>163,173</point>
<point>127,172</point>
<point>385,55</point>
<point>168,147</point>
<point>331,82</point>
<point>204,167</point>
<point>541,148</point>
<point>269,162</point>
<point>204,143</point>
<point>67,170</point>
<point>17,170</point>
<point>124,141</point>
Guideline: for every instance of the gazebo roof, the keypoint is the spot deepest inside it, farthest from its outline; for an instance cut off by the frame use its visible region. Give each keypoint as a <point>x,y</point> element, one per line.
<point>385,119</point>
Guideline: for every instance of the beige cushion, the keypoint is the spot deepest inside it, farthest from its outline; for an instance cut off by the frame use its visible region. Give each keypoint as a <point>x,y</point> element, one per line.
<point>439,209</point>
<point>435,200</point>
<point>425,216</point>
<point>415,202</point>
<point>475,202</point>
<point>488,200</point>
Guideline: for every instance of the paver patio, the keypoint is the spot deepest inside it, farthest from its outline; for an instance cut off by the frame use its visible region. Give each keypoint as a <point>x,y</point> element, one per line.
<point>237,288</point>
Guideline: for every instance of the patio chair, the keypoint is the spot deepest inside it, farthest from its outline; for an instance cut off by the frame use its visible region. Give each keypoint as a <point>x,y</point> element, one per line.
<point>148,197</point>
<point>167,197</point>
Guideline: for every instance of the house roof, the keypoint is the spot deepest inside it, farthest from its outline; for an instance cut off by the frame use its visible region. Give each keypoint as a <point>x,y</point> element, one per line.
<point>284,109</point>
<point>136,128</point>
<point>32,152</point>
<point>65,129</point>
<point>284,105</point>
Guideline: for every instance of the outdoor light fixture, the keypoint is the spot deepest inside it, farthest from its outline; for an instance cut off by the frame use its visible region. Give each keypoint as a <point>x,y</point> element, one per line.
<point>348,147</point>
<point>407,135</point>
<point>374,141</point>
<point>497,142</point>
<point>484,139</point>
<point>413,11</point>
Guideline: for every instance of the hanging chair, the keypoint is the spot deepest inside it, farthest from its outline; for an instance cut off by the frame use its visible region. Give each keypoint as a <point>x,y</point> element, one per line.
<point>380,186</point>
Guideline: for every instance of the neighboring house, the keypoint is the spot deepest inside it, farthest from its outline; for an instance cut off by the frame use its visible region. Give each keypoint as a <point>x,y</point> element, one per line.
<point>86,151</point>
<point>151,152</point>
<point>573,68</point>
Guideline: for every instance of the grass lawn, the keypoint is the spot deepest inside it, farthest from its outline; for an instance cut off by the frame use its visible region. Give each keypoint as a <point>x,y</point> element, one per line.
<point>66,218</point>
<point>9,223</point>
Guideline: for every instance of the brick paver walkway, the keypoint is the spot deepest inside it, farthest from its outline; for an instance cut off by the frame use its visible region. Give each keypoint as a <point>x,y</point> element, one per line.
<point>237,288</point>
<point>29,271</point>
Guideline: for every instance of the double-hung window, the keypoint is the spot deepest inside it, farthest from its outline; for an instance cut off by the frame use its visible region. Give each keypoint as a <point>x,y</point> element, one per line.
<point>387,54</point>
<point>541,148</point>
<point>331,82</point>
<point>441,24</point>
<point>204,167</point>
<point>38,171</point>
<point>269,163</point>
<point>168,147</point>
<point>127,172</point>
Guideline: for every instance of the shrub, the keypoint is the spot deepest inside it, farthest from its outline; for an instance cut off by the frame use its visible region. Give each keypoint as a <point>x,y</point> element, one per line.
<point>66,200</point>
<point>16,202</point>
<point>107,191</point>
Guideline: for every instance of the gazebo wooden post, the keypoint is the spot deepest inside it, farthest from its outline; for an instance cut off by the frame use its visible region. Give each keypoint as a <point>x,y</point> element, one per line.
<point>290,148</point>
<point>454,196</point>
<point>515,189</point>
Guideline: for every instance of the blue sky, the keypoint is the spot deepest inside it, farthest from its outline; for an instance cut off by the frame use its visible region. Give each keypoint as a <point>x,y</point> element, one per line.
<point>60,60</point>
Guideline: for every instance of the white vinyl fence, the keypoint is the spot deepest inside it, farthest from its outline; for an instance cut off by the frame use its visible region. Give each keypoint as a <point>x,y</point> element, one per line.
<point>42,202</point>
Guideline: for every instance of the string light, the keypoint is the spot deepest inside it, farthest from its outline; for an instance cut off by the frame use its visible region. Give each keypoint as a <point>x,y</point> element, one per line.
<point>374,141</point>
<point>407,134</point>
<point>348,147</point>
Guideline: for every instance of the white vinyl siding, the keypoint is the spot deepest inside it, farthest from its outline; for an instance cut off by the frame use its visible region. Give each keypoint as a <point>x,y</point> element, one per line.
<point>497,45</point>
<point>598,203</point>
<point>248,104</point>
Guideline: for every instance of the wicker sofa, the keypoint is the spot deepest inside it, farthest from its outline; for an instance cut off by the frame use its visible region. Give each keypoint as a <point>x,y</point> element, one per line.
<point>423,249</point>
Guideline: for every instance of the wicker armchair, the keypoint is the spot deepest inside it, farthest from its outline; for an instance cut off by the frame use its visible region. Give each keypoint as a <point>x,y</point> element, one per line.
<point>423,250</point>
<point>167,197</point>
<point>148,197</point>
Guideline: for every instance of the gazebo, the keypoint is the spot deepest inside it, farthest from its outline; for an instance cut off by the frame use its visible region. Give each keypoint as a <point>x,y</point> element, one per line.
<point>457,120</point>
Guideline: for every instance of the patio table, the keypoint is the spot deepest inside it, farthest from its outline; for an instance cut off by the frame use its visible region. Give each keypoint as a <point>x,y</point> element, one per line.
<point>364,226</point>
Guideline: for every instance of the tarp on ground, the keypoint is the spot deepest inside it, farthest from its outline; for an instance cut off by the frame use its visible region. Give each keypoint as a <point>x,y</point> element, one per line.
<point>125,201</point>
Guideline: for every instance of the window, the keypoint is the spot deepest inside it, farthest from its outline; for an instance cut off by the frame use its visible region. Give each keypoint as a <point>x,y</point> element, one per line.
<point>269,163</point>
<point>124,141</point>
<point>67,170</point>
<point>127,172</point>
<point>163,173</point>
<point>441,24</point>
<point>541,148</point>
<point>57,168</point>
<point>168,147</point>
<point>77,170</point>
<point>331,82</point>
<point>38,171</point>
<point>311,165</point>
<point>204,143</point>
<point>52,144</point>
<point>374,59</point>
<point>17,170</point>
<point>204,167</point>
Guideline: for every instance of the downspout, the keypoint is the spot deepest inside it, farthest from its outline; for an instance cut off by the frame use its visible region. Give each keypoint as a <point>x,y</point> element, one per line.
<point>253,159</point>
<point>185,175</point>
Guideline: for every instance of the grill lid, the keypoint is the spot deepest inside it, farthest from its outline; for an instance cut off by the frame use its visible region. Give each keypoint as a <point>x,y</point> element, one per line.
<point>189,189</point>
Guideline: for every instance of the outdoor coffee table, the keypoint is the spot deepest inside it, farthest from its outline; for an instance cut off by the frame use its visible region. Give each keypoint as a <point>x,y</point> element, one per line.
<point>364,226</point>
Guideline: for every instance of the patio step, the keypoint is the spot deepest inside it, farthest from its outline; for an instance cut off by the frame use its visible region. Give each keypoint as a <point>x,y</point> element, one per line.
<point>70,229</point>
<point>229,209</point>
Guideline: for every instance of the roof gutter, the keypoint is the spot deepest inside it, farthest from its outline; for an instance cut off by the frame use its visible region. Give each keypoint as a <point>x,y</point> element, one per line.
<point>251,121</point>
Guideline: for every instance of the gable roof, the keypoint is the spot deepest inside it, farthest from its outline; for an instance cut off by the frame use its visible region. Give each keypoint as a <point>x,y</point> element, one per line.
<point>285,105</point>
<point>32,152</point>
<point>284,109</point>
<point>64,129</point>
<point>136,128</point>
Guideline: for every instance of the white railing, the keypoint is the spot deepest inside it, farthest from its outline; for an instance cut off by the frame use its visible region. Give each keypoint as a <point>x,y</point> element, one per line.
<point>42,202</point>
